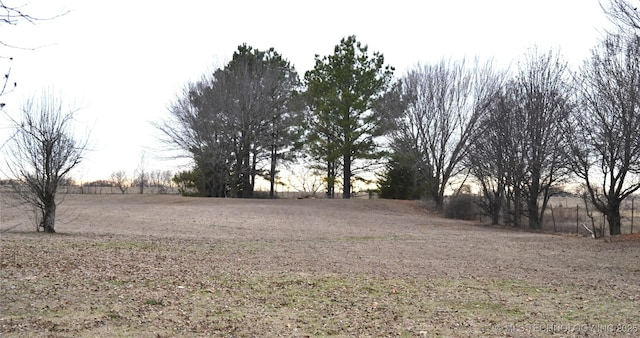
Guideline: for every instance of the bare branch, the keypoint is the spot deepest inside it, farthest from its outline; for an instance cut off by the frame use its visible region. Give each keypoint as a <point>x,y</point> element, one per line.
<point>13,15</point>
<point>623,14</point>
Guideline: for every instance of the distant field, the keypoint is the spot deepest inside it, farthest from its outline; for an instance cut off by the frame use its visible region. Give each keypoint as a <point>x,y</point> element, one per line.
<point>165,265</point>
<point>569,213</point>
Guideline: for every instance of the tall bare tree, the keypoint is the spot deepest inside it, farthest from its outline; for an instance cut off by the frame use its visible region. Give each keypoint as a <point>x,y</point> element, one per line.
<point>41,154</point>
<point>519,156</point>
<point>198,128</point>
<point>543,99</point>
<point>490,159</point>
<point>606,145</point>
<point>441,107</point>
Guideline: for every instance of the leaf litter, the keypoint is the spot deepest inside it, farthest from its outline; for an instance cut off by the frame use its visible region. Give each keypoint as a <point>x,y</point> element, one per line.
<point>377,269</point>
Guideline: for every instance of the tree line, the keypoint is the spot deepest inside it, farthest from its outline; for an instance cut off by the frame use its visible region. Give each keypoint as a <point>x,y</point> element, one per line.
<point>519,134</point>
<point>248,117</point>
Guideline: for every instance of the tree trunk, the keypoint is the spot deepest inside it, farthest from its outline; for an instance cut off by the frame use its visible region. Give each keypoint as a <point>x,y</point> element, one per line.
<point>614,219</point>
<point>272,172</point>
<point>346,191</point>
<point>245,184</point>
<point>142,179</point>
<point>534,220</point>
<point>254,173</point>
<point>245,173</point>
<point>331,179</point>
<point>496,206</point>
<point>49,217</point>
<point>439,200</point>
<point>434,191</point>
<point>517,208</point>
<point>235,177</point>
<point>535,216</point>
<point>495,218</point>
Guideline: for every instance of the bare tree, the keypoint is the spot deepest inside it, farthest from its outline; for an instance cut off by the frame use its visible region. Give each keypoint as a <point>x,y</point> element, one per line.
<point>120,180</point>
<point>519,156</point>
<point>159,179</point>
<point>197,128</point>
<point>41,154</point>
<point>166,181</point>
<point>543,99</point>
<point>140,175</point>
<point>306,180</point>
<point>441,107</point>
<point>606,145</point>
<point>488,155</point>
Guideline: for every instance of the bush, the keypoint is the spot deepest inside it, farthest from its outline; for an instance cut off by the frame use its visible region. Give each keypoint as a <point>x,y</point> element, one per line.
<point>463,207</point>
<point>401,180</point>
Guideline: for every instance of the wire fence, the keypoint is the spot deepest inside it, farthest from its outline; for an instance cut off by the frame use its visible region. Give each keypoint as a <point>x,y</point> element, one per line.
<point>569,215</point>
<point>106,189</point>
<point>572,215</point>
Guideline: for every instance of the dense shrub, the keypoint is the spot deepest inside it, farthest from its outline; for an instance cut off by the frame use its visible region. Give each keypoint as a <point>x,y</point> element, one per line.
<point>401,180</point>
<point>463,207</point>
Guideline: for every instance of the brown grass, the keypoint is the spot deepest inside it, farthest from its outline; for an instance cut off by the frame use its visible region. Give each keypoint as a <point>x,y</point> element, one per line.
<point>129,265</point>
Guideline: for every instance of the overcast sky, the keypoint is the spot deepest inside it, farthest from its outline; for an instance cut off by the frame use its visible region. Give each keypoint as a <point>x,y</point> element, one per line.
<point>122,62</point>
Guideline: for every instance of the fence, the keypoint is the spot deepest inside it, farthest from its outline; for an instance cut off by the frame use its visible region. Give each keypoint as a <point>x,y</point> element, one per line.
<point>98,190</point>
<point>112,189</point>
<point>570,215</point>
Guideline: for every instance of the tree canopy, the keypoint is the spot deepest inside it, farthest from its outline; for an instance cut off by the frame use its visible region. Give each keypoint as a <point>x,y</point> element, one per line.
<point>341,91</point>
<point>231,122</point>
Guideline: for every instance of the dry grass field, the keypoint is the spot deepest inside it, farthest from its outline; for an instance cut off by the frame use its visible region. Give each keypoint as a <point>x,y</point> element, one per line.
<point>161,265</point>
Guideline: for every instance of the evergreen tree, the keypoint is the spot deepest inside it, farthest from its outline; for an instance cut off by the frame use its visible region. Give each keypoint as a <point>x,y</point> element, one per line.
<point>341,90</point>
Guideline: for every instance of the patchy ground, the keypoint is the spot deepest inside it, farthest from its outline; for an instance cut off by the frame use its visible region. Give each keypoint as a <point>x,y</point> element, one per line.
<point>157,266</point>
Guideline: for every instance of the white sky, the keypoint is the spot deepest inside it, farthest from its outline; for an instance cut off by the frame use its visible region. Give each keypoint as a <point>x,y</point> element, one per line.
<point>124,61</point>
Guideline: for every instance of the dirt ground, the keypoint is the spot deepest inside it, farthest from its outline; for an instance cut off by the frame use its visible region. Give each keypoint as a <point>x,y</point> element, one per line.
<point>164,265</point>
